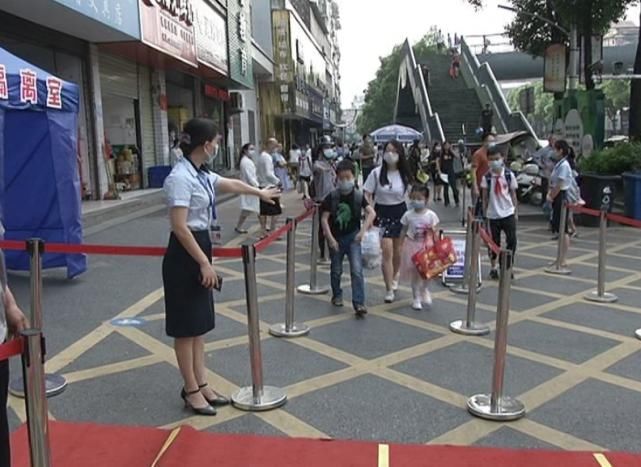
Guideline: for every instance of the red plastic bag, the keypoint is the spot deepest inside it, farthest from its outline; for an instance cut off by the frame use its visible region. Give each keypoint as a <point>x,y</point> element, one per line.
<point>430,262</point>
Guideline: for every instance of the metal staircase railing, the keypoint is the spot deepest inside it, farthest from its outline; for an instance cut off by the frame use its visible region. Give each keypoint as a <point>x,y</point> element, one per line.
<point>430,120</point>
<point>489,92</point>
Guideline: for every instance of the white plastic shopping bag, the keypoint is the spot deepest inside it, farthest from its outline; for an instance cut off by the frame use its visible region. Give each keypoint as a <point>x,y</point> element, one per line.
<point>371,249</point>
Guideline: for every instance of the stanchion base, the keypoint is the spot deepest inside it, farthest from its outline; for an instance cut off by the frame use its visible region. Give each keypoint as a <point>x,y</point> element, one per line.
<point>638,333</point>
<point>605,298</point>
<point>271,398</point>
<point>558,271</point>
<point>296,330</point>
<point>474,329</point>
<point>306,289</point>
<point>54,385</point>
<point>508,408</point>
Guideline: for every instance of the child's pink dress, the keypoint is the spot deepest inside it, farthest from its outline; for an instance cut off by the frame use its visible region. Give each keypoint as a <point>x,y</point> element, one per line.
<point>420,235</point>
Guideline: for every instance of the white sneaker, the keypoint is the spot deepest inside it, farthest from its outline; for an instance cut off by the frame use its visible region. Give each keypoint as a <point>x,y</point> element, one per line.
<point>427,298</point>
<point>389,296</point>
<point>395,285</point>
<point>416,304</point>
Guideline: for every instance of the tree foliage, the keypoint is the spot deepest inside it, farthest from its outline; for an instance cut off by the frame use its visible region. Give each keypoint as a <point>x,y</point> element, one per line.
<point>380,95</point>
<point>531,34</point>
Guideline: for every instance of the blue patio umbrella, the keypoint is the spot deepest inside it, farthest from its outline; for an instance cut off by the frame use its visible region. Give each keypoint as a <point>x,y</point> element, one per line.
<point>402,133</point>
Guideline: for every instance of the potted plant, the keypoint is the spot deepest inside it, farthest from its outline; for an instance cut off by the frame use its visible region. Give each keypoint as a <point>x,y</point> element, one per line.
<point>604,170</point>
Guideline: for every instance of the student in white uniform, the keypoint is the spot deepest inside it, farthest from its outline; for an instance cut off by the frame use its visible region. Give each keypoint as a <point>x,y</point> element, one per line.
<point>249,204</point>
<point>187,271</point>
<point>386,188</point>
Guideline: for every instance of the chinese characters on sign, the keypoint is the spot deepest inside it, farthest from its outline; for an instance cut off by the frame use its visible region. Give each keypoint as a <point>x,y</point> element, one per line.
<point>28,86</point>
<point>242,35</point>
<point>554,68</point>
<point>211,36</point>
<point>4,85</point>
<point>283,52</point>
<point>54,93</point>
<point>121,15</point>
<point>167,25</point>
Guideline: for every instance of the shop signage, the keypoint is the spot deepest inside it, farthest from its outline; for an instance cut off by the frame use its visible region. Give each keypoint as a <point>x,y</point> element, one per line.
<point>121,15</point>
<point>554,68</point>
<point>283,52</point>
<point>211,37</point>
<point>168,25</point>
<point>239,41</point>
<point>216,93</point>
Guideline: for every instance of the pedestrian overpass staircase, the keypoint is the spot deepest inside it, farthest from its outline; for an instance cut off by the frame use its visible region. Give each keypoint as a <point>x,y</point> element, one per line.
<point>450,108</point>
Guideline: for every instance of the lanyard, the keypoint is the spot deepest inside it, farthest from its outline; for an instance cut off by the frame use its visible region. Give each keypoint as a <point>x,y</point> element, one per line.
<point>210,194</point>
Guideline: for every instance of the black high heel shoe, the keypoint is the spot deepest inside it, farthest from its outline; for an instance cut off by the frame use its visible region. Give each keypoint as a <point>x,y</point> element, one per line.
<point>219,401</point>
<point>209,410</point>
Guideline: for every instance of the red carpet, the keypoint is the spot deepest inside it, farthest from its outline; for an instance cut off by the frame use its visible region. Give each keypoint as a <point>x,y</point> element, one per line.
<point>75,445</point>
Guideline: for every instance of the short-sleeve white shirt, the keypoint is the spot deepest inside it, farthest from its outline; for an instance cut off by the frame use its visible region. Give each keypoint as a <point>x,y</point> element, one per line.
<point>419,223</point>
<point>499,204</point>
<point>387,195</point>
<point>188,187</point>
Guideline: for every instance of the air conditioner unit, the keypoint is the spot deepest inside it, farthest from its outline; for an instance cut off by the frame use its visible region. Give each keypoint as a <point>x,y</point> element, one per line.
<point>236,102</point>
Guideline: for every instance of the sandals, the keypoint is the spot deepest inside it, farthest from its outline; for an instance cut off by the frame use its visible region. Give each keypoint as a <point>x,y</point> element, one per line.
<point>218,401</point>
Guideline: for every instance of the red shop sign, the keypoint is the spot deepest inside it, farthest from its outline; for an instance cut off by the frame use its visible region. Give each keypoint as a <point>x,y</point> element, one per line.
<point>216,93</point>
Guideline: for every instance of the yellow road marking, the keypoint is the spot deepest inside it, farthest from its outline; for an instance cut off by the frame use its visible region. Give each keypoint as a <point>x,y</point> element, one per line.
<point>602,460</point>
<point>383,455</point>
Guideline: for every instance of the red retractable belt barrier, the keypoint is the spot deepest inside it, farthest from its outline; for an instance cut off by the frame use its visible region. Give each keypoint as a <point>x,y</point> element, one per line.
<point>129,250</point>
<point>11,348</point>
<point>618,218</point>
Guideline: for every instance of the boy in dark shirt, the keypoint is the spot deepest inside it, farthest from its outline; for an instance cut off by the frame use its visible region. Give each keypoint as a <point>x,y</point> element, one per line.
<point>341,221</point>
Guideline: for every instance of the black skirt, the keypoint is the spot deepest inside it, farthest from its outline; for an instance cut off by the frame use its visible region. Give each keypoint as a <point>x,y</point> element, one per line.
<point>267,209</point>
<point>557,207</point>
<point>189,307</point>
<point>388,219</point>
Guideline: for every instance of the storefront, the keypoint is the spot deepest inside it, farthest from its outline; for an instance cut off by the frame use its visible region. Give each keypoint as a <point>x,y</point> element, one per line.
<point>127,120</point>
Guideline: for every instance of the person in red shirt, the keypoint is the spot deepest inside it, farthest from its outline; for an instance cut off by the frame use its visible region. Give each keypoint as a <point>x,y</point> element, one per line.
<point>480,166</point>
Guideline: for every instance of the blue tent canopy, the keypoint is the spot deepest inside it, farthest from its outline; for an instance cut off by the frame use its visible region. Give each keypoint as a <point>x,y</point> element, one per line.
<point>404,134</point>
<point>39,183</point>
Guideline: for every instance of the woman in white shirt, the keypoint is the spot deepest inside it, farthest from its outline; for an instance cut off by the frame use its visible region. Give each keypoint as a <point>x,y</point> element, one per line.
<point>386,188</point>
<point>249,204</point>
<point>187,272</point>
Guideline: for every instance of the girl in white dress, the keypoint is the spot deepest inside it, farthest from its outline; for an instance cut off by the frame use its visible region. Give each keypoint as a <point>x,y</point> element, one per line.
<point>248,204</point>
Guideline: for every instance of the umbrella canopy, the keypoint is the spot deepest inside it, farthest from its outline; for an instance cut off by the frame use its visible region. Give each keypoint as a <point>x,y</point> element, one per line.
<point>401,133</point>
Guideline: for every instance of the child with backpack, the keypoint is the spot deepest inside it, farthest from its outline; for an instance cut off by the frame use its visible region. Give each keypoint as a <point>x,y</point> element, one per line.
<point>499,204</point>
<point>418,233</point>
<point>341,211</point>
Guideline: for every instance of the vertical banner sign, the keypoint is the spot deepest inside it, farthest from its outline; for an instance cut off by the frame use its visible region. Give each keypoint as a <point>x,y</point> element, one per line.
<point>574,130</point>
<point>555,68</point>
<point>239,43</point>
<point>168,26</point>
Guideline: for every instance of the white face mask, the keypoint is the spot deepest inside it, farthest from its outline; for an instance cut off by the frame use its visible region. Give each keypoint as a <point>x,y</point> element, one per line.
<point>211,155</point>
<point>252,153</point>
<point>391,158</point>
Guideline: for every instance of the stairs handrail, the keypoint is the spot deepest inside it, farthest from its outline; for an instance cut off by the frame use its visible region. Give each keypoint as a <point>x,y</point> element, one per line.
<point>484,79</point>
<point>417,82</point>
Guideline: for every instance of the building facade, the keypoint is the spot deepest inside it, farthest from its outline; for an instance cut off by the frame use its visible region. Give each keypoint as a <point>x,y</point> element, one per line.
<point>258,68</point>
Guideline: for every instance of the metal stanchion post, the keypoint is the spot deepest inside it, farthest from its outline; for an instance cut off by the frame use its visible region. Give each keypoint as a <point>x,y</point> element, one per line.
<point>255,397</point>
<point>463,287</point>
<point>600,295</point>
<point>464,210</point>
<point>496,406</point>
<point>290,328</point>
<point>54,383</point>
<point>36,400</point>
<point>556,267</point>
<point>469,326</point>
<point>312,288</point>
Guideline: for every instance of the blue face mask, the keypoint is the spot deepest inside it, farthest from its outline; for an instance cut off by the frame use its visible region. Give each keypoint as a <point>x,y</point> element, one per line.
<point>417,205</point>
<point>346,186</point>
<point>329,153</point>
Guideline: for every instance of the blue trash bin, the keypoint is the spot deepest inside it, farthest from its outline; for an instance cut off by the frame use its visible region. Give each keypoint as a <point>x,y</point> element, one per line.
<point>632,194</point>
<point>157,175</point>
